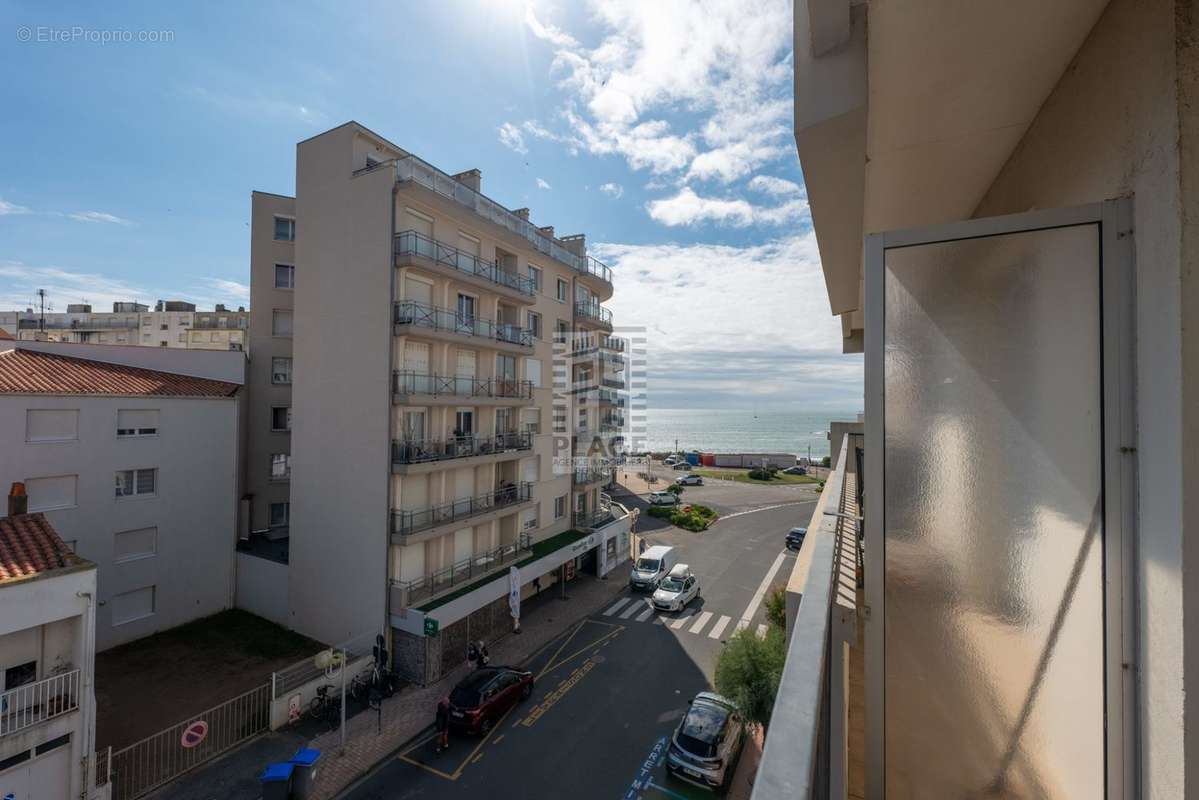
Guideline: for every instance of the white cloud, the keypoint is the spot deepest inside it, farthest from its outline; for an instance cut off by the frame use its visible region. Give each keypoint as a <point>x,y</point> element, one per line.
<point>511,137</point>
<point>612,189</point>
<point>543,184</point>
<point>767,333</point>
<point>689,208</point>
<point>20,281</point>
<point>775,186</point>
<point>98,216</point>
<point>7,208</point>
<point>726,61</point>
<point>233,289</point>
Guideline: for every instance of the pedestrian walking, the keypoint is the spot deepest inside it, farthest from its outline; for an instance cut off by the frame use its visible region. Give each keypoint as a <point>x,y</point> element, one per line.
<point>442,724</point>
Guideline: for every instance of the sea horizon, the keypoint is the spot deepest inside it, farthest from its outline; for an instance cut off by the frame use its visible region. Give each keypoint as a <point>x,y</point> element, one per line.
<point>728,430</point>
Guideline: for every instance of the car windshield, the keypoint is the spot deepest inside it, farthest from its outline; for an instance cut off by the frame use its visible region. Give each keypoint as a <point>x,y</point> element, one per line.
<point>468,694</point>
<point>647,565</point>
<point>701,729</point>
<point>672,584</point>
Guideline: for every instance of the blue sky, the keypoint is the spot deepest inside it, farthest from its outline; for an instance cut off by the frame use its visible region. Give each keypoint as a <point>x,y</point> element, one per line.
<point>662,130</point>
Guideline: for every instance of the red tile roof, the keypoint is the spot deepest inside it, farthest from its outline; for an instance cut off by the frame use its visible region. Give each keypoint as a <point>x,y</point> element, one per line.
<point>36,372</point>
<point>5,334</point>
<point>30,546</point>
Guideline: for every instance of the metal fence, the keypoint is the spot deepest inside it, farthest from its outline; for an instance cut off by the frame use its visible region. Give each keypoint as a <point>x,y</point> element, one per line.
<point>289,679</point>
<point>428,586</point>
<point>140,768</point>
<point>406,382</point>
<point>424,450</point>
<point>39,701</point>
<point>408,522</point>
<point>410,312</point>
<point>411,243</point>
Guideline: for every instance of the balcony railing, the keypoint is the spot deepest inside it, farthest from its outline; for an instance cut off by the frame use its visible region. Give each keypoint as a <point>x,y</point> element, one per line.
<point>612,383</point>
<point>405,523</point>
<point>584,475</point>
<point>426,450</point>
<point>417,170</point>
<point>593,311</point>
<point>613,343</point>
<point>409,243</point>
<point>477,566</point>
<point>33,703</point>
<point>77,325</point>
<point>220,323</point>
<point>589,520</point>
<point>410,312</point>
<point>405,382</point>
<point>806,753</point>
<point>611,397</point>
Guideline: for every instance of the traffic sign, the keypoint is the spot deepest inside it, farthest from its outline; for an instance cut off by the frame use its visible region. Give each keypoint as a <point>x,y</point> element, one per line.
<point>432,626</point>
<point>194,734</point>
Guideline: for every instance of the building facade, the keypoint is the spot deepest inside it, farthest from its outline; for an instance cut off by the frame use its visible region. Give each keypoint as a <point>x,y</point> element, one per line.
<point>455,388</point>
<point>172,323</point>
<point>133,455</point>
<point>47,692</point>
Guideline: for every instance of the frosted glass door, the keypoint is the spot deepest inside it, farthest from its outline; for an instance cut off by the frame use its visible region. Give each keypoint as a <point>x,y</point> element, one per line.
<point>993,517</point>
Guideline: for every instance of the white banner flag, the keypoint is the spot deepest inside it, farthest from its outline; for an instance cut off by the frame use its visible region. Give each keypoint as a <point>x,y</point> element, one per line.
<point>514,592</point>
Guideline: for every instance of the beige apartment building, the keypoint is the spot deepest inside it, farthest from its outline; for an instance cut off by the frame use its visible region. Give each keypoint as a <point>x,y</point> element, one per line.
<point>172,323</point>
<point>457,398</point>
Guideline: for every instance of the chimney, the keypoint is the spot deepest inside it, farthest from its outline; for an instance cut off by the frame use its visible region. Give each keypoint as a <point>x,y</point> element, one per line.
<point>576,243</point>
<point>548,230</point>
<point>523,213</point>
<point>18,502</point>
<point>471,178</point>
<point>219,307</point>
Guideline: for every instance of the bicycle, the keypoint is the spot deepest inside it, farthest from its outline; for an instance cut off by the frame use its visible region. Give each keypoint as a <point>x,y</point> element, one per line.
<point>373,677</point>
<point>325,706</point>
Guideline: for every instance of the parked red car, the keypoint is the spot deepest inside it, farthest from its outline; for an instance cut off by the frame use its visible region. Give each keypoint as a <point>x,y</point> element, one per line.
<point>485,695</point>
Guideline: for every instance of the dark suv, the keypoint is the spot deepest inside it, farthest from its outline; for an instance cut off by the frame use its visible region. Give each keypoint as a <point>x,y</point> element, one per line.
<point>795,538</point>
<point>484,696</point>
<point>707,743</point>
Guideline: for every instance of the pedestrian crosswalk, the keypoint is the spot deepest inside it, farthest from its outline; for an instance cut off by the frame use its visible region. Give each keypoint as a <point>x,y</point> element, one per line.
<point>690,620</point>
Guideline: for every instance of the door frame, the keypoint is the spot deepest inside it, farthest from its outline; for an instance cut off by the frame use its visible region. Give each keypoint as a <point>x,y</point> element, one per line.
<point>1118,453</point>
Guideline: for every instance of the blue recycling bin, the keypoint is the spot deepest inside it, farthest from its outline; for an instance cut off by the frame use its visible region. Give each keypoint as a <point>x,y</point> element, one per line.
<point>276,781</point>
<point>304,777</point>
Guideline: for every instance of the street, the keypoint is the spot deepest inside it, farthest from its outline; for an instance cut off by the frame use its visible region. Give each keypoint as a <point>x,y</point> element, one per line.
<point>610,690</point>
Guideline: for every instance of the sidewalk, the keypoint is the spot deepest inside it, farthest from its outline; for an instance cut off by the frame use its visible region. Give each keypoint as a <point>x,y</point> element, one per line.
<point>410,712</point>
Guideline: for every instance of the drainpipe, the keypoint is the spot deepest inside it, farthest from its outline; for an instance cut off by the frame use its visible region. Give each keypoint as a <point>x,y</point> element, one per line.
<point>85,689</point>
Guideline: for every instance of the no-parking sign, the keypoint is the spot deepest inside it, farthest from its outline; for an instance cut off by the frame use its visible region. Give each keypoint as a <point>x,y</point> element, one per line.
<point>194,734</point>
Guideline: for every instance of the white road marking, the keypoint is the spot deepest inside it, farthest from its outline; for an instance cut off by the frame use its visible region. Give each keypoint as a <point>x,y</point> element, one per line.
<point>682,620</point>
<point>762,631</point>
<point>701,622</point>
<point>742,624</point>
<point>766,508</point>
<point>752,608</point>
<point>719,627</point>
<point>632,610</point>
<point>616,606</point>
<point>646,614</point>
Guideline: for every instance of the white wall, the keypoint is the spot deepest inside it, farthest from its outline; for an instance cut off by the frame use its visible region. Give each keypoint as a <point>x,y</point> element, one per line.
<point>194,509</point>
<point>262,587</point>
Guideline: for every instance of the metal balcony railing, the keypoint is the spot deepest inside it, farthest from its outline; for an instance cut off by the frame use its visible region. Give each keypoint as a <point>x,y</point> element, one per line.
<point>426,587</point>
<point>233,323</point>
<point>78,325</point>
<point>589,520</point>
<point>34,703</point>
<point>611,397</point>
<point>806,752</point>
<point>612,383</point>
<point>425,450</point>
<point>411,243</point>
<point>612,343</point>
<point>593,474</point>
<point>405,382</point>
<point>593,311</point>
<point>417,170</point>
<point>405,523</point>
<point>410,312</point>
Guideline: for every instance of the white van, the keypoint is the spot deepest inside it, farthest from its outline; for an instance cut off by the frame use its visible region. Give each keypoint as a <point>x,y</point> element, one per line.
<point>651,567</point>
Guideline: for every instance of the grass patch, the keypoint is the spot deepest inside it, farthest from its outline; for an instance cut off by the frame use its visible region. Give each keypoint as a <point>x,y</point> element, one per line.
<point>231,631</point>
<point>693,518</point>
<point>742,476</point>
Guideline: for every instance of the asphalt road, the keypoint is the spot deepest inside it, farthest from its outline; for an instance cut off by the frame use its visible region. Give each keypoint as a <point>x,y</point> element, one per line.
<point>611,689</point>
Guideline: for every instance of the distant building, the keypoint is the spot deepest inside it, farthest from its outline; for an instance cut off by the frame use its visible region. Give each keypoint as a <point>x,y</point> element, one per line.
<point>132,454</point>
<point>47,701</point>
<point>172,323</point>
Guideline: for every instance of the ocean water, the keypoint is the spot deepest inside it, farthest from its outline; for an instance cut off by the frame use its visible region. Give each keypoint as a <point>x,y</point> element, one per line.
<point>737,431</point>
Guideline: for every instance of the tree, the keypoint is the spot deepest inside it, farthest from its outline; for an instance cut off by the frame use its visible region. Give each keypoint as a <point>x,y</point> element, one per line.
<point>748,672</point>
<point>776,606</point>
<point>675,488</point>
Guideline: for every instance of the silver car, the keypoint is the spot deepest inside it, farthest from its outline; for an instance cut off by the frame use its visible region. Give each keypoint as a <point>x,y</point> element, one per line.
<point>706,745</point>
<point>676,590</point>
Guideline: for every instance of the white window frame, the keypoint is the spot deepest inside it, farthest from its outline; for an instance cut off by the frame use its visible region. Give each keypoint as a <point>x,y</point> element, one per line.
<point>290,375</point>
<point>560,507</point>
<point>537,276</point>
<point>563,291</point>
<point>291,275</point>
<point>290,313</point>
<point>135,475</point>
<point>275,228</point>
<point>286,476</point>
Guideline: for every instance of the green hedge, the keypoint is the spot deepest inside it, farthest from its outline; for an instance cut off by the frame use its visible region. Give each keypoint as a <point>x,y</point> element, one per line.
<point>666,512</point>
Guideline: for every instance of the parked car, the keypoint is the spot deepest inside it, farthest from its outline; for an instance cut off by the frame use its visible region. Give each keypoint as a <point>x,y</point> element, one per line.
<point>681,465</point>
<point>795,471</point>
<point>691,479</point>
<point>670,460</point>
<point>651,567</point>
<point>662,499</point>
<point>676,590</point>
<point>481,698</point>
<point>795,538</point>
<point>707,743</point>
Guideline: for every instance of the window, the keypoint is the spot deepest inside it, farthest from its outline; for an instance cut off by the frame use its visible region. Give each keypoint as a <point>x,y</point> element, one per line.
<point>135,544</point>
<point>535,276</point>
<point>134,605</point>
<point>281,370</point>
<point>534,323</point>
<point>52,744</point>
<point>51,424</point>
<point>12,761</point>
<point>20,675</point>
<point>163,343</point>
<point>285,229</point>
<point>280,514</point>
<point>137,482</point>
<point>46,494</point>
<point>137,422</point>
<point>560,507</point>
<point>533,371</point>
<point>183,337</point>
<point>285,276</point>
<point>281,418</point>
<point>561,329</point>
<point>164,327</point>
<point>145,337</point>
<point>281,322</point>
<point>563,291</point>
<point>280,466</point>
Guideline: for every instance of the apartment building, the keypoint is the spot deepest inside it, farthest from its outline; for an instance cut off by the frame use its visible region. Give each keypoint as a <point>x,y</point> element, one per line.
<point>47,695</point>
<point>1004,199</point>
<point>132,454</point>
<point>172,323</point>
<point>441,392</point>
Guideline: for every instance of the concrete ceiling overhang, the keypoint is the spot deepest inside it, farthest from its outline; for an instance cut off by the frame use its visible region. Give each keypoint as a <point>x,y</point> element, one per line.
<point>907,110</point>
